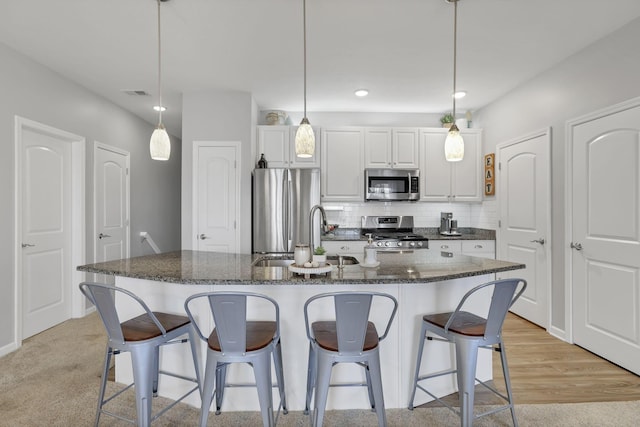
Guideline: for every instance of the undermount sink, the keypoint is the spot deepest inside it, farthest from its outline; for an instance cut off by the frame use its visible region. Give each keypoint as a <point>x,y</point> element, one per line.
<point>285,261</point>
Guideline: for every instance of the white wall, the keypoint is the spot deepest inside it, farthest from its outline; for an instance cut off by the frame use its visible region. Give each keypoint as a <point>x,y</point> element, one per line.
<point>34,92</point>
<point>218,116</point>
<point>603,74</point>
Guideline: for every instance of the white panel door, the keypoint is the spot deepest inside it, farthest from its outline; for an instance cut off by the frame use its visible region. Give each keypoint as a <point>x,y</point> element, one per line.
<point>216,201</point>
<point>111,205</point>
<point>605,234</point>
<point>523,199</point>
<point>46,231</point>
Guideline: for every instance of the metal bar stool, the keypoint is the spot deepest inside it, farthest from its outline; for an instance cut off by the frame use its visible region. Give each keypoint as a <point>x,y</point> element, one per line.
<point>234,339</point>
<point>350,338</point>
<point>142,336</point>
<point>469,332</point>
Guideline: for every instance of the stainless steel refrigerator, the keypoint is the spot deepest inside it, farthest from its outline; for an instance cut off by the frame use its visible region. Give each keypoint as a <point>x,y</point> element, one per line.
<point>282,200</point>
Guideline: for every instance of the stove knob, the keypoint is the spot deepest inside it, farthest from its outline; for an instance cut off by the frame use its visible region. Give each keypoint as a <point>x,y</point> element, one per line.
<point>379,243</point>
<point>399,244</point>
<point>412,244</point>
<point>419,243</point>
<point>387,244</point>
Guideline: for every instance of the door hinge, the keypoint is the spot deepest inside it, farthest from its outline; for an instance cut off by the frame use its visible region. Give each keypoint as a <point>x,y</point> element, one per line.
<point>499,166</point>
<point>234,225</point>
<point>127,171</point>
<point>235,164</point>
<point>499,223</point>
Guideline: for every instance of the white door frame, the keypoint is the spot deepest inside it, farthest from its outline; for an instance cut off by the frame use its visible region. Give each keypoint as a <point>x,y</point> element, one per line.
<point>546,132</point>
<point>77,216</point>
<point>194,185</point>
<point>568,191</point>
<point>99,145</point>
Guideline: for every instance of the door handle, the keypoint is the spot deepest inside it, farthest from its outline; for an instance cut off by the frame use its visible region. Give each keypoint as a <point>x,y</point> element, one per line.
<point>102,236</point>
<point>576,246</point>
<point>27,245</point>
<point>203,236</point>
<point>541,241</point>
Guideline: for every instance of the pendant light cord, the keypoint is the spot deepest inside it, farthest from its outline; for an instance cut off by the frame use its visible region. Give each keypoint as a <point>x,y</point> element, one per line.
<point>455,43</point>
<point>159,71</point>
<point>304,38</point>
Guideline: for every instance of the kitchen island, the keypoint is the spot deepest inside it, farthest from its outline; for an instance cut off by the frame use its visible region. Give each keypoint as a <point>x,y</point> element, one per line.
<point>423,281</point>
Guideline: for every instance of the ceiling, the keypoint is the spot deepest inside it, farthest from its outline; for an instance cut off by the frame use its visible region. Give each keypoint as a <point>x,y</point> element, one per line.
<point>401,50</point>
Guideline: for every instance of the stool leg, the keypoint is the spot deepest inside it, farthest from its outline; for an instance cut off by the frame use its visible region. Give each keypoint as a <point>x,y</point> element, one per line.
<point>376,385</point>
<point>156,370</point>
<point>423,333</point>
<point>221,381</point>
<point>507,381</point>
<point>262,371</point>
<point>103,382</point>
<point>193,342</point>
<point>207,388</point>
<point>372,399</point>
<point>142,358</point>
<point>323,377</point>
<point>311,378</point>
<point>466,360</point>
<point>277,361</point>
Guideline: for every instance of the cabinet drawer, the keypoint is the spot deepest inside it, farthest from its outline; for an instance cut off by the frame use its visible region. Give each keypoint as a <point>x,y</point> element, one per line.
<point>480,248</point>
<point>353,247</point>
<point>454,246</point>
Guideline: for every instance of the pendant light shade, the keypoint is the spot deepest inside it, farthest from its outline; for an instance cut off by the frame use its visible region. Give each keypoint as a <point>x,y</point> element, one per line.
<point>305,138</point>
<point>160,144</point>
<point>454,144</point>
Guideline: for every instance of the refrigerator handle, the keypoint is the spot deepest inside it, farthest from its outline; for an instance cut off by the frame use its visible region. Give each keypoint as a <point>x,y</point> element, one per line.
<point>289,212</point>
<point>285,210</point>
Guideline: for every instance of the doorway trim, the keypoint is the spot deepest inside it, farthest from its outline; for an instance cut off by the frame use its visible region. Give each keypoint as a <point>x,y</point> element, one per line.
<point>568,217</point>
<point>77,217</point>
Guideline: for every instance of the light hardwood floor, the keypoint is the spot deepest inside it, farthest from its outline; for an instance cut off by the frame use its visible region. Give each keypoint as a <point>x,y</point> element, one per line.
<point>545,369</point>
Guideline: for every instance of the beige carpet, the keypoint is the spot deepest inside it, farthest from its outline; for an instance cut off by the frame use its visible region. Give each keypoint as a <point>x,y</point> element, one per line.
<point>52,380</point>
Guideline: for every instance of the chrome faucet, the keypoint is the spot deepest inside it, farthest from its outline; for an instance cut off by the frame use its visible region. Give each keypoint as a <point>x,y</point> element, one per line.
<point>324,227</point>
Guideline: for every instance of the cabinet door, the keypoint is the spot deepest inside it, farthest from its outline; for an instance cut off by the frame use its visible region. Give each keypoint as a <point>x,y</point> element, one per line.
<point>435,171</point>
<point>453,246</point>
<point>405,153</point>
<point>342,164</point>
<point>273,141</point>
<point>467,174</point>
<point>377,148</point>
<point>346,247</point>
<point>303,162</point>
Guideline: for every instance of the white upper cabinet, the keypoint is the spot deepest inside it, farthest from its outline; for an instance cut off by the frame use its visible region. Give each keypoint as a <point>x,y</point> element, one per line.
<point>342,177</point>
<point>278,145</point>
<point>391,148</point>
<point>443,181</point>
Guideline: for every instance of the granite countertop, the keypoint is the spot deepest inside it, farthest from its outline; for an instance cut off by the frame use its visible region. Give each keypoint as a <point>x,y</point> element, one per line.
<point>196,267</point>
<point>431,233</point>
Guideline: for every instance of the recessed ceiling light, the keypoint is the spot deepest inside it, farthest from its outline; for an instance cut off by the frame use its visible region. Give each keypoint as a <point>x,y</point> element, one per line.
<point>362,92</point>
<point>158,108</point>
<point>460,94</point>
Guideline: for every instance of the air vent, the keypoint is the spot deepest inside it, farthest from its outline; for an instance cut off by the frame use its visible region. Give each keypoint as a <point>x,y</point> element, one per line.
<point>136,92</point>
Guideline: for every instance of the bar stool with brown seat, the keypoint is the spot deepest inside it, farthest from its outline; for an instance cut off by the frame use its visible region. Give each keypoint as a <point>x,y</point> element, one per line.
<point>142,336</point>
<point>350,338</point>
<point>235,339</point>
<point>468,332</point>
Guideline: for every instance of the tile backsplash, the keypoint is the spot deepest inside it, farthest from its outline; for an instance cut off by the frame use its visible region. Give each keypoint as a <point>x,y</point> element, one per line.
<point>477,215</point>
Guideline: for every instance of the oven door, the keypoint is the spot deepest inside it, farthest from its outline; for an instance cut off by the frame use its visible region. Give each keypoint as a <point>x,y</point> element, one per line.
<point>391,185</point>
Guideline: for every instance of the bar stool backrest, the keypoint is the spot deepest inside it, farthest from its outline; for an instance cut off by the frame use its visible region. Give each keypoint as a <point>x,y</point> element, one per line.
<point>501,300</point>
<point>229,311</point>
<point>352,311</point>
<point>103,297</point>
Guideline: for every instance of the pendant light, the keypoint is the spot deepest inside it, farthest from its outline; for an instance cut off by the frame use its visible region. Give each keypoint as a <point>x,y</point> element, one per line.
<point>160,145</point>
<point>454,144</point>
<point>305,139</point>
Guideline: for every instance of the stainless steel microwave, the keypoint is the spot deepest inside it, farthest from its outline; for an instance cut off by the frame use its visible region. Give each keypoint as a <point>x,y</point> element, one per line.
<point>392,184</point>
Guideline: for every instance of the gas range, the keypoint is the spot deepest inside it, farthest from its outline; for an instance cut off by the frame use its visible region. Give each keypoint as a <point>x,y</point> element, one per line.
<point>393,232</point>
